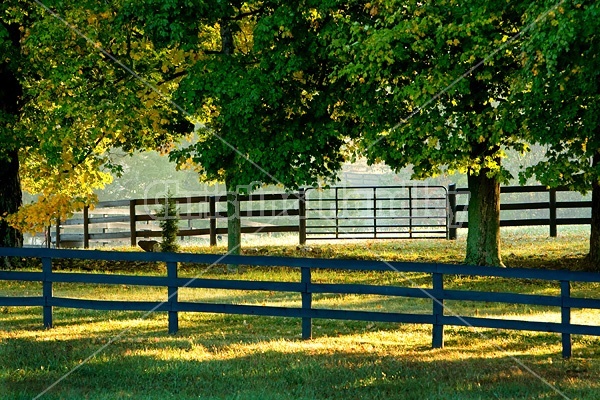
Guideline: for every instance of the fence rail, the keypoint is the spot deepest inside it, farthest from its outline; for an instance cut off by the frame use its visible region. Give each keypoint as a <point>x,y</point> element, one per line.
<point>306,287</point>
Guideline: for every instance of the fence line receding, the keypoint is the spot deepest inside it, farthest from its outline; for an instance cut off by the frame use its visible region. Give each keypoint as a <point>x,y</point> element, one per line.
<point>365,212</point>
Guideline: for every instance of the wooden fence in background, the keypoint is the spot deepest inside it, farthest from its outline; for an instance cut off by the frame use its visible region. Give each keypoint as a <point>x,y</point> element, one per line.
<point>439,317</point>
<point>208,209</point>
<point>368,212</point>
<point>552,205</point>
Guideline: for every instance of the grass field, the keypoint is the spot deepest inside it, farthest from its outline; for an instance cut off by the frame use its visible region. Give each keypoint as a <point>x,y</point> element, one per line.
<point>126,355</point>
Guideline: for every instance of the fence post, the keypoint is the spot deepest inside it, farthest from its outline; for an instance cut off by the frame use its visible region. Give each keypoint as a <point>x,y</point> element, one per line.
<point>438,310</point>
<point>132,223</point>
<point>337,221</point>
<point>451,210</point>
<point>86,227</point>
<point>565,318</point>
<point>57,243</point>
<point>553,226</point>
<point>302,216</point>
<point>173,290</point>
<point>375,212</point>
<point>410,213</point>
<point>212,220</point>
<point>306,303</point>
<point>47,291</point>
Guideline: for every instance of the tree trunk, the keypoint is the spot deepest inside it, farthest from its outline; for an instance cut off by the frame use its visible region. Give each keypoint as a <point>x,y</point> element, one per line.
<point>593,258</point>
<point>234,223</point>
<point>10,198</point>
<point>227,44</point>
<point>483,238</point>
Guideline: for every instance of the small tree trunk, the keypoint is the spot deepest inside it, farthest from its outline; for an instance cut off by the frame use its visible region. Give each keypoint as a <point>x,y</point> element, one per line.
<point>234,223</point>
<point>593,258</point>
<point>11,198</point>
<point>483,238</point>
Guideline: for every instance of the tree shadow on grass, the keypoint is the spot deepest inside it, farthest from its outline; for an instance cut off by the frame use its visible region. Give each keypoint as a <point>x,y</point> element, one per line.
<point>156,366</point>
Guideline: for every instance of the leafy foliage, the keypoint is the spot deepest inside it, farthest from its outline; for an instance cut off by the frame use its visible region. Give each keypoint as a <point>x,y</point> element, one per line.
<point>406,54</point>
<point>561,96</point>
<point>434,79</point>
<point>562,93</point>
<point>77,103</point>
<point>259,81</point>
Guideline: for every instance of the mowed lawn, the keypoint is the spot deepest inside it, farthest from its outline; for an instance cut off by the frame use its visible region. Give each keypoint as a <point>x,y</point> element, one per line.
<point>130,355</point>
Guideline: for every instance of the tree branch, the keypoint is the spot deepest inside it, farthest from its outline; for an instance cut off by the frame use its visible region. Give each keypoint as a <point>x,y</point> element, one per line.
<point>246,14</point>
<point>172,77</point>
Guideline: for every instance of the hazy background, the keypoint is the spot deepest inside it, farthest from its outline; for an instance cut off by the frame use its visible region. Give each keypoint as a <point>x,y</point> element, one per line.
<point>148,175</point>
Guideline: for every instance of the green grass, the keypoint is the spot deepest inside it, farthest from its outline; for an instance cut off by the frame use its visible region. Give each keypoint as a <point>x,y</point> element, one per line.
<point>245,357</point>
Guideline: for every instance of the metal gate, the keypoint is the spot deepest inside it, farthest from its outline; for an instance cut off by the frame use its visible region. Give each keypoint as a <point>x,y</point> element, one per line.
<point>391,212</point>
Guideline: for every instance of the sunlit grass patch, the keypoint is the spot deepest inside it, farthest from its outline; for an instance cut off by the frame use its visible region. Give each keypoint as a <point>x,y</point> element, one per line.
<point>521,247</point>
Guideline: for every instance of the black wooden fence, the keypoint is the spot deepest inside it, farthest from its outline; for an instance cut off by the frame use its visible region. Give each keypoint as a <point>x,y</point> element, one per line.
<point>456,220</point>
<point>120,219</point>
<point>368,212</point>
<point>306,287</point>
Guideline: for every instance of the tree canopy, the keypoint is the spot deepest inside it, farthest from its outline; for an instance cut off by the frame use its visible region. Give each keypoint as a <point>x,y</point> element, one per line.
<point>258,77</point>
<point>435,78</point>
<point>560,94</point>
<point>285,92</point>
<point>69,103</point>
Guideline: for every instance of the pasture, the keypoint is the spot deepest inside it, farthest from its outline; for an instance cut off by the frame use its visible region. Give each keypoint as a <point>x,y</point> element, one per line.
<point>119,355</point>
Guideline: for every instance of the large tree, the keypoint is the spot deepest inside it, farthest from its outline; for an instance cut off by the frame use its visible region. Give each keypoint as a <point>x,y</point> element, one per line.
<point>64,104</point>
<point>436,79</point>
<point>560,94</point>
<point>260,81</point>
